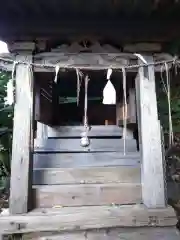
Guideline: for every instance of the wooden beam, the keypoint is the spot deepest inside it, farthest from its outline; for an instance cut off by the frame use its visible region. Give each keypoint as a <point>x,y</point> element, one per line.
<point>132,105</point>
<point>153,188</point>
<point>21,165</point>
<point>83,218</point>
<point>92,60</point>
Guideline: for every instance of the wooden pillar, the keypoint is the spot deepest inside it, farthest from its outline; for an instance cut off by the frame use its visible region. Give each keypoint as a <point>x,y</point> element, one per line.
<point>42,131</point>
<point>41,135</point>
<point>153,187</point>
<point>21,165</point>
<point>132,105</point>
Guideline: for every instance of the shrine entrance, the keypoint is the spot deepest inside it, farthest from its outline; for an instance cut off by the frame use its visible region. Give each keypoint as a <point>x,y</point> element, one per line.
<point>111,132</point>
<point>85,154</point>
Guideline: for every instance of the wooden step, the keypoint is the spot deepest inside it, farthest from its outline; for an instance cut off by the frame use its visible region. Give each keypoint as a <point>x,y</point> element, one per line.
<point>140,233</point>
<point>100,175</point>
<point>95,131</point>
<point>87,194</point>
<point>76,160</point>
<point>74,145</point>
<point>88,218</point>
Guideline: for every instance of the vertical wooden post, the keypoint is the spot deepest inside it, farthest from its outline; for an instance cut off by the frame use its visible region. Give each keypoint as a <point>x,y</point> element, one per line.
<point>132,105</point>
<point>21,165</point>
<point>153,187</point>
<point>42,131</point>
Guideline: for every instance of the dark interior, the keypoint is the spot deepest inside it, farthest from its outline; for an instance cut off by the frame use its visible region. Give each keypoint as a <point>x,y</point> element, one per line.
<point>98,113</point>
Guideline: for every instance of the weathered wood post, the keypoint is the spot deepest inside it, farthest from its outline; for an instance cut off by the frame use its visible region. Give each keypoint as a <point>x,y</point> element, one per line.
<point>153,186</point>
<point>132,105</point>
<point>21,165</point>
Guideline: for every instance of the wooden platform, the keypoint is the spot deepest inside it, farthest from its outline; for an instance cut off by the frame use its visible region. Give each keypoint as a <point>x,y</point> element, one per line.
<point>87,218</point>
<point>143,233</point>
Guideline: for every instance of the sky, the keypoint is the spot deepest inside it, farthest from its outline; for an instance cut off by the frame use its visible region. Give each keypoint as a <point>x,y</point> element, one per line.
<point>3,47</point>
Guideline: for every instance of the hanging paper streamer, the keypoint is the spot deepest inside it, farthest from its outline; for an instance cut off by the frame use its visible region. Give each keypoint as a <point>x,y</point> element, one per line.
<point>84,136</point>
<point>109,92</point>
<point>9,99</point>
<point>57,67</point>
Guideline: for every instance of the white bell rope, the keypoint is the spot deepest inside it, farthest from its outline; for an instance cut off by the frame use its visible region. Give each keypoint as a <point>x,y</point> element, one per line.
<point>171,137</point>
<point>124,110</point>
<point>79,82</point>
<point>167,90</point>
<point>84,136</point>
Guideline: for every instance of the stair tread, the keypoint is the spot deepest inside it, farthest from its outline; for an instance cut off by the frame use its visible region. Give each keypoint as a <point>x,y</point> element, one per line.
<point>76,131</point>
<point>84,218</point>
<point>76,160</point>
<point>74,145</point>
<point>88,175</point>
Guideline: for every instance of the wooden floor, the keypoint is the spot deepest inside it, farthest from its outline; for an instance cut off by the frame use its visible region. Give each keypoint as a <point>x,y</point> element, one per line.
<point>167,233</point>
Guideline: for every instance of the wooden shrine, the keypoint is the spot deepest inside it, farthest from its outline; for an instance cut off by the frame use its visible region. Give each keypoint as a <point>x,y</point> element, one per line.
<point>115,186</point>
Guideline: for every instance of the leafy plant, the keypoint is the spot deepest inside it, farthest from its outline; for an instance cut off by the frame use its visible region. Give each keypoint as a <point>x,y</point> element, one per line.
<point>6,116</point>
<point>174,102</point>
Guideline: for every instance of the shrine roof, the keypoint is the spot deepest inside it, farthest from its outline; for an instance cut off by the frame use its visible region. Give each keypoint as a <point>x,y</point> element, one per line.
<point>140,20</point>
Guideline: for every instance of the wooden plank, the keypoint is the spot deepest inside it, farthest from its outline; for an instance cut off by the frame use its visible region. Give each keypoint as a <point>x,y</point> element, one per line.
<point>22,139</point>
<point>83,218</point>
<point>152,162</point>
<point>87,194</point>
<point>143,233</point>
<point>76,131</point>
<point>42,133</point>
<point>75,160</point>
<point>132,105</point>
<point>87,175</point>
<point>74,145</point>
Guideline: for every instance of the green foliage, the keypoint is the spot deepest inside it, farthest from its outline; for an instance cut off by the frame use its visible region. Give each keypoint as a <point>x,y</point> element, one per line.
<point>163,105</point>
<point>6,116</point>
